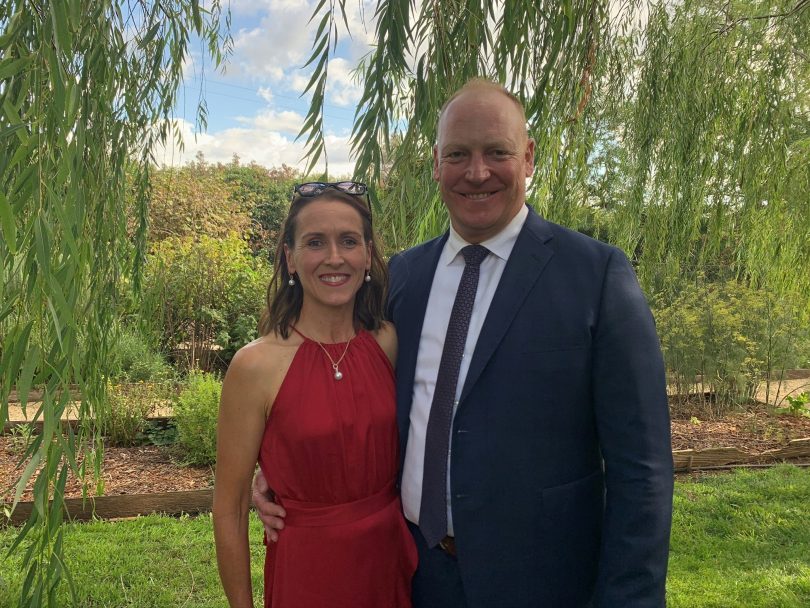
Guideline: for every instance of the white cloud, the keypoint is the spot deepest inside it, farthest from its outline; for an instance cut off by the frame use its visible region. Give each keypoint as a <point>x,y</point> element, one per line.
<point>253,143</point>
<point>278,45</point>
<point>248,7</point>
<point>266,94</point>
<point>342,88</point>
<point>279,42</point>
<point>299,82</point>
<point>271,41</point>
<point>270,120</point>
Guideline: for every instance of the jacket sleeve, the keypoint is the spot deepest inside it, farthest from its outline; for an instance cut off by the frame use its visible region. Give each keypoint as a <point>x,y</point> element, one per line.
<point>632,413</point>
<point>397,275</point>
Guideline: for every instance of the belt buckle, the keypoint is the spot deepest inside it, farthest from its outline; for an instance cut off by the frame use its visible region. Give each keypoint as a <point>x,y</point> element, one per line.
<point>448,545</point>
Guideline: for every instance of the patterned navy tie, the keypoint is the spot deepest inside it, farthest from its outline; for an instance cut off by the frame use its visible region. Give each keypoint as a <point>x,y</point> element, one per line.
<point>433,510</point>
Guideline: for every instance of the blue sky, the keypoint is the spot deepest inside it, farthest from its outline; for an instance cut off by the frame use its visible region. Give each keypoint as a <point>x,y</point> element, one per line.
<point>255,108</point>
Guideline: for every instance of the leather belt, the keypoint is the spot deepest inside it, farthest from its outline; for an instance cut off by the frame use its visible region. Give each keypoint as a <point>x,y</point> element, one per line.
<point>448,545</point>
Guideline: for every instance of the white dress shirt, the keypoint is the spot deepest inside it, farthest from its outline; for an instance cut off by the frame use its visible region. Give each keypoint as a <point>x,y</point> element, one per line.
<point>431,343</point>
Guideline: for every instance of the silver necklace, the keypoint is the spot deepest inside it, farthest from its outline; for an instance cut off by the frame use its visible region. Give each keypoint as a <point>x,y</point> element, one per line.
<point>338,373</point>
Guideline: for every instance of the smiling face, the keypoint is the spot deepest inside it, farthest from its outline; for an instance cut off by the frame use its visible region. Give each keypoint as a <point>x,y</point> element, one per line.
<point>329,254</point>
<point>481,161</point>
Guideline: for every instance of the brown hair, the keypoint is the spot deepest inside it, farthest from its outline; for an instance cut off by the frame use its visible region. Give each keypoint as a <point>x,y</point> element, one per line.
<point>284,301</point>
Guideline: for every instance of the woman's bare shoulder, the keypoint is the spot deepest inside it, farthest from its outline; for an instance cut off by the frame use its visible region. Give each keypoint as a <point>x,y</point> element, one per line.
<point>264,355</point>
<point>257,369</point>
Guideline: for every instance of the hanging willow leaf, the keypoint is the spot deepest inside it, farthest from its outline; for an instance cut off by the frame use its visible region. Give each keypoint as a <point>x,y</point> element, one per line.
<point>30,468</point>
<point>672,130</point>
<point>86,89</point>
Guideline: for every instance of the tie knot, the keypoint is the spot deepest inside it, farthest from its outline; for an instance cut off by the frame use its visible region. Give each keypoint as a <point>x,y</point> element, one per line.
<point>474,254</point>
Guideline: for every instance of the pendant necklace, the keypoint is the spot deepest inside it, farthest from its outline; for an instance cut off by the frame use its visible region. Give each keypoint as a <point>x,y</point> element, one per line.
<point>338,373</point>
<point>335,364</point>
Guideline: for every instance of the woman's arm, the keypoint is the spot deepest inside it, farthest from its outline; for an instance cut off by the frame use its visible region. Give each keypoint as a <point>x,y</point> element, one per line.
<point>240,428</point>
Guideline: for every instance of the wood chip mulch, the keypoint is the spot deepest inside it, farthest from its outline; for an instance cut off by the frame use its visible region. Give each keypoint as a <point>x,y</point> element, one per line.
<point>138,470</point>
<point>152,469</point>
<point>756,429</point>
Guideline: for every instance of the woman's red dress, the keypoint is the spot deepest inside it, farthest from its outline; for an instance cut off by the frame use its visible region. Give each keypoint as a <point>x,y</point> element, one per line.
<point>330,451</point>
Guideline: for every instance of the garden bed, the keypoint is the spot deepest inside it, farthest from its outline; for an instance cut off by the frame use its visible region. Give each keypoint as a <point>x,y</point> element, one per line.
<point>139,470</point>
<point>757,434</point>
<point>757,430</point>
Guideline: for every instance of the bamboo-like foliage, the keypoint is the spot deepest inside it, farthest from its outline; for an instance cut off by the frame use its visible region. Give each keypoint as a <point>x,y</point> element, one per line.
<point>84,85</point>
<point>679,131</point>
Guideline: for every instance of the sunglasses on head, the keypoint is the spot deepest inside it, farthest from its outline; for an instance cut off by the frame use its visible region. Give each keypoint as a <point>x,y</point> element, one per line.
<point>310,189</point>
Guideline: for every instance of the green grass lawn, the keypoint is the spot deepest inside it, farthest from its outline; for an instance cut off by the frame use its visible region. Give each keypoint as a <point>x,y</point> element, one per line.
<point>148,562</point>
<point>739,540</point>
<point>742,540</point>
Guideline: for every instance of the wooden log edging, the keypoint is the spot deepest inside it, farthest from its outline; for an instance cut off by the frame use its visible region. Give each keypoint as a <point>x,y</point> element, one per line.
<point>124,505</point>
<point>689,460</point>
<point>200,501</point>
<point>36,394</point>
<point>10,425</point>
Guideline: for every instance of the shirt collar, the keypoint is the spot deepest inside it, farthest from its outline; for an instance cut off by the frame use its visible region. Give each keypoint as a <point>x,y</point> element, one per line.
<point>501,244</point>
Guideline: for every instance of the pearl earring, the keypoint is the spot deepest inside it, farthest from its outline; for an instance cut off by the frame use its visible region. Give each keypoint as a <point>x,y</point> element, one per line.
<point>291,282</point>
<point>368,277</point>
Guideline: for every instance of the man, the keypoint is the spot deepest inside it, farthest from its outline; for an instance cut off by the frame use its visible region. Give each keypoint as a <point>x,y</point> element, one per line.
<point>558,469</point>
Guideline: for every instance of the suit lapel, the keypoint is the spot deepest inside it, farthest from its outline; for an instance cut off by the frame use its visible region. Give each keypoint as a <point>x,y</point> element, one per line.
<point>524,267</point>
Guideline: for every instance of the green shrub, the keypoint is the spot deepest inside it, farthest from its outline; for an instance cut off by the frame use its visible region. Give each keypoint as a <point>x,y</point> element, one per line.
<point>265,193</point>
<point>797,404</point>
<point>195,414</point>
<point>159,432</point>
<point>135,360</point>
<point>725,338</point>
<point>129,407</point>
<point>204,294</point>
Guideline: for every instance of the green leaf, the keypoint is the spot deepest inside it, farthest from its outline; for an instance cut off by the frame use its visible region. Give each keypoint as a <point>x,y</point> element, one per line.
<point>11,113</point>
<point>321,50</point>
<point>11,67</point>
<point>61,26</point>
<point>32,360</point>
<point>317,10</point>
<point>29,470</point>
<point>14,351</point>
<point>8,226</point>
<point>55,318</point>
<point>12,129</point>
<point>72,103</point>
<point>42,244</point>
<point>150,35</point>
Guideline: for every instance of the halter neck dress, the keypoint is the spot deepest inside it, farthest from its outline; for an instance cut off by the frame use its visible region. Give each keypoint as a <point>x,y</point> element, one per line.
<point>330,451</point>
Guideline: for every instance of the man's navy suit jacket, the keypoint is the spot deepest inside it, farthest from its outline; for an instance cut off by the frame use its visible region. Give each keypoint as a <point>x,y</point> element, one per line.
<point>561,465</point>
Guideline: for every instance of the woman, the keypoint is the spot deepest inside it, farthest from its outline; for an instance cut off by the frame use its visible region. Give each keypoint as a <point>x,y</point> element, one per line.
<point>313,401</point>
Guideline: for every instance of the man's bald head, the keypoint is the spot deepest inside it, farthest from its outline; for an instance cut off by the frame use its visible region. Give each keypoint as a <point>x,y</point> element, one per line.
<point>478,84</point>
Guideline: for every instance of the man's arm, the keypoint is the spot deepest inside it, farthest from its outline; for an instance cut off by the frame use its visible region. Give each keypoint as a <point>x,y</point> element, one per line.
<point>629,389</point>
